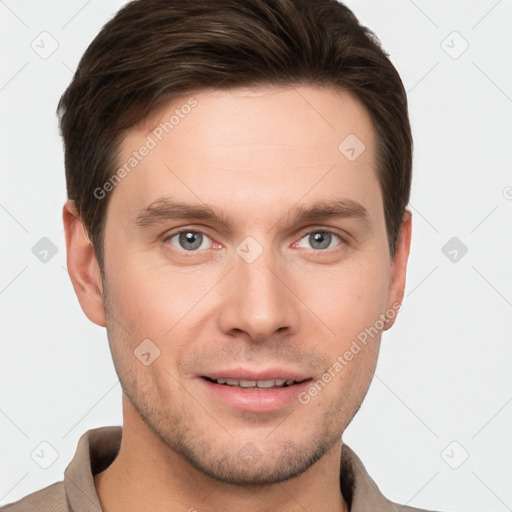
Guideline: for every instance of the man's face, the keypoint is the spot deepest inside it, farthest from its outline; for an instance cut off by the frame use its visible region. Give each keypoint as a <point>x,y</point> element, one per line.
<point>259,293</point>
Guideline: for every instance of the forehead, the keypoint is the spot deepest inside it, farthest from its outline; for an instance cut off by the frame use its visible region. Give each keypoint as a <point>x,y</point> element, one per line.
<point>251,148</point>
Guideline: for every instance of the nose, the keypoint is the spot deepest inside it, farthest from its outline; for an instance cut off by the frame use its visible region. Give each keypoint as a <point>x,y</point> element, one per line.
<point>257,299</point>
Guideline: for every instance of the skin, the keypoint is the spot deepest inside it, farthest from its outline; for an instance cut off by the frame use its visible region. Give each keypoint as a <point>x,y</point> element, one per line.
<point>256,154</point>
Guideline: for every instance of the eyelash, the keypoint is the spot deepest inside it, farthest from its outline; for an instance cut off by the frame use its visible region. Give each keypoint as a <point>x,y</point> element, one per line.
<point>303,235</point>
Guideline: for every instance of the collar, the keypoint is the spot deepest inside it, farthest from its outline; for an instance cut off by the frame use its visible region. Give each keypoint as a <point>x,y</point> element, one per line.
<point>98,447</point>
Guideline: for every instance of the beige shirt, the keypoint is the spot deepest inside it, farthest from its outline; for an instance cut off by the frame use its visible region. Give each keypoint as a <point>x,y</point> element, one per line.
<point>98,447</point>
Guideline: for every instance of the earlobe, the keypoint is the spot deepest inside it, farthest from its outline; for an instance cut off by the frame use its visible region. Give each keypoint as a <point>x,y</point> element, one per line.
<point>399,269</point>
<point>83,266</point>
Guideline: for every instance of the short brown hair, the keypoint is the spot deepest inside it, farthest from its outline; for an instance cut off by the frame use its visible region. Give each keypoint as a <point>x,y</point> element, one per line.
<point>152,51</point>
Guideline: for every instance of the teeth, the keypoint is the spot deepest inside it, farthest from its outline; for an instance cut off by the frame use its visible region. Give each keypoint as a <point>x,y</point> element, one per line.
<point>264,384</point>
<point>268,383</point>
<point>247,383</point>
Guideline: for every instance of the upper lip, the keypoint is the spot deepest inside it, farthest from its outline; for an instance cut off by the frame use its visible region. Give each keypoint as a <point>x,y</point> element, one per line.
<point>257,375</point>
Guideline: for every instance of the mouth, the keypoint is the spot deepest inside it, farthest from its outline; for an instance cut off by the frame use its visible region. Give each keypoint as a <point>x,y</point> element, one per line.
<point>256,392</point>
<point>261,385</point>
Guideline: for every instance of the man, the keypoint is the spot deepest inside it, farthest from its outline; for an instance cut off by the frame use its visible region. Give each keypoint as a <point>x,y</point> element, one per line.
<point>238,174</point>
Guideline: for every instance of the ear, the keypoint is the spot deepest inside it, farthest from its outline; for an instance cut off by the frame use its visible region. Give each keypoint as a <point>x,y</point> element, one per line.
<point>83,266</point>
<point>399,268</point>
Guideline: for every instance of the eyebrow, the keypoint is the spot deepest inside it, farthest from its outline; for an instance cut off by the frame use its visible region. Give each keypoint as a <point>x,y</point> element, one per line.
<point>168,209</point>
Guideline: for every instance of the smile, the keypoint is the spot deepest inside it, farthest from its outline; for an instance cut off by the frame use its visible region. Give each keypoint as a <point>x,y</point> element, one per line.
<point>254,384</point>
<point>255,393</point>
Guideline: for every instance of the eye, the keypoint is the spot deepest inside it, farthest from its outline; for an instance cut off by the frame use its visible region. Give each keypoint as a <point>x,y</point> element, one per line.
<point>189,240</point>
<point>320,240</point>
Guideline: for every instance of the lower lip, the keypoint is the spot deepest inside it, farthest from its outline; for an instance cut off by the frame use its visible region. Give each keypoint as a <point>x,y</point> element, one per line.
<point>256,400</point>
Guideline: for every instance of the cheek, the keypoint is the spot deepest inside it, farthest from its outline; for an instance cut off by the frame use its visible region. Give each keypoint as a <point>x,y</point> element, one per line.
<point>167,306</point>
<point>348,298</point>
<point>153,299</point>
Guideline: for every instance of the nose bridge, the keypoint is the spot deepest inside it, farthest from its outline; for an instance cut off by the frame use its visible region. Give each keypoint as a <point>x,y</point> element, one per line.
<point>257,302</point>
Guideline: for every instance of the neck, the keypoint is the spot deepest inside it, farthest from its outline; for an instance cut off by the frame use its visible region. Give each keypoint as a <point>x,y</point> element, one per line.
<point>149,475</point>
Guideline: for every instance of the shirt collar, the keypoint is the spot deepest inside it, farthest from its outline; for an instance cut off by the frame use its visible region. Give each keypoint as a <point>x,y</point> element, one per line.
<point>98,447</point>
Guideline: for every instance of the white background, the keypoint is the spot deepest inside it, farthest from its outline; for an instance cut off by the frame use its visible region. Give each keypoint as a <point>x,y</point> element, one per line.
<point>444,371</point>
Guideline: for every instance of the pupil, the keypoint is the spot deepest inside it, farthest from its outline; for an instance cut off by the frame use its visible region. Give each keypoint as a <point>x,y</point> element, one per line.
<point>322,238</point>
<point>187,240</point>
